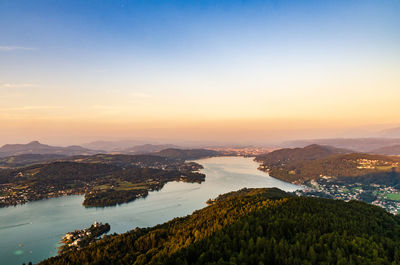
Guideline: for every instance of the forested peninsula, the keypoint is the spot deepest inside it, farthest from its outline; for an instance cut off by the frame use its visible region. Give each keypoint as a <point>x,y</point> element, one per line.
<point>104,179</point>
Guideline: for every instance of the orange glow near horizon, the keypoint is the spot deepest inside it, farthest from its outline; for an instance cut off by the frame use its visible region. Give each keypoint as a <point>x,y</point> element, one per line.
<point>248,73</point>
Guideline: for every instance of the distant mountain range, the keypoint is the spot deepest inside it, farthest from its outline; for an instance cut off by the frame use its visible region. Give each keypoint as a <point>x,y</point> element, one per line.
<point>391,133</point>
<point>147,148</point>
<point>36,147</point>
<point>387,150</point>
<point>367,145</point>
<point>16,154</point>
<point>111,146</point>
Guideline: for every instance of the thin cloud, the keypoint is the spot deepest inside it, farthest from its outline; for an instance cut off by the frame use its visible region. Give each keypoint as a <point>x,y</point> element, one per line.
<point>17,85</point>
<point>29,108</point>
<point>14,48</point>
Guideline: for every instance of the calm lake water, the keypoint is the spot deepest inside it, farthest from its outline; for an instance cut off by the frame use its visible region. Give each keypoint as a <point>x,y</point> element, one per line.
<point>31,232</point>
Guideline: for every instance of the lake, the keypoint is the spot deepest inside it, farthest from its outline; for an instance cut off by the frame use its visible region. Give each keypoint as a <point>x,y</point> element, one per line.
<point>31,232</point>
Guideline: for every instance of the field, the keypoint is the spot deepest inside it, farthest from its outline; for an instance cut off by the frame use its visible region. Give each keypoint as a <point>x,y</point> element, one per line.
<point>393,196</point>
<point>126,185</point>
<point>384,168</point>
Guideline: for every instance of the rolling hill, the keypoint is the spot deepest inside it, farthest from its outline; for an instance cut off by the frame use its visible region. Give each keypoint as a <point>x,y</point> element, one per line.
<point>147,148</point>
<point>27,159</point>
<point>186,154</point>
<point>36,147</point>
<point>288,155</point>
<point>299,165</point>
<point>355,144</point>
<point>387,150</point>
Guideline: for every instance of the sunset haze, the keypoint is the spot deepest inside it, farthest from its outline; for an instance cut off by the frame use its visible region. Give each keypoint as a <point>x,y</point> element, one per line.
<point>235,71</point>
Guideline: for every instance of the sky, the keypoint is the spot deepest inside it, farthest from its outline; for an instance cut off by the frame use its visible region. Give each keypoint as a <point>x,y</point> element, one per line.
<point>221,71</point>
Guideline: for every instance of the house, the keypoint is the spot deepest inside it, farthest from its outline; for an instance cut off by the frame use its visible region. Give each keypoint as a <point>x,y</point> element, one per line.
<point>76,242</point>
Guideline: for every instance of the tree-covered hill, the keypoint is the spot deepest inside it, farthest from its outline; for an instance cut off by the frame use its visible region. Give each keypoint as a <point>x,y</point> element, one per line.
<point>300,165</point>
<point>28,159</point>
<point>296,155</point>
<point>186,154</point>
<point>38,148</point>
<point>257,226</point>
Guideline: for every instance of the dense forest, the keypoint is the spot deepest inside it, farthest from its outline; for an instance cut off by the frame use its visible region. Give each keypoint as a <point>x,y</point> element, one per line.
<point>256,226</point>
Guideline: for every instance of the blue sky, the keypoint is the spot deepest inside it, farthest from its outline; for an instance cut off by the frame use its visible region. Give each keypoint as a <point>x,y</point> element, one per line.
<point>204,31</point>
<point>140,61</point>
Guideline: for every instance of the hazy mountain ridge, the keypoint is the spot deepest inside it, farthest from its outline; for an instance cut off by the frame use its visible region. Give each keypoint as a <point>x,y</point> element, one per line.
<point>26,159</point>
<point>387,150</point>
<point>186,154</point>
<point>111,146</point>
<point>148,148</point>
<point>392,132</point>
<point>356,144</point>
<point>35,147</point>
